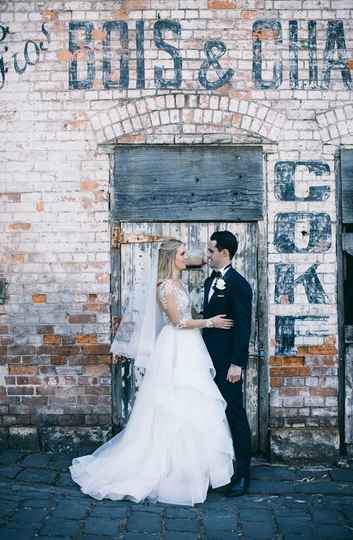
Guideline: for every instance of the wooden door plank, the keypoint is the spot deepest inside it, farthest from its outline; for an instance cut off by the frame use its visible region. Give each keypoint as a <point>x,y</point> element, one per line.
<point>206,182</point>
<point>347,185</point>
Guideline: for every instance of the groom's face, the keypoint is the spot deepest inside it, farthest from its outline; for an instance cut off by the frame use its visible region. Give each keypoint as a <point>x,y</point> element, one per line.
<point>215,257</point>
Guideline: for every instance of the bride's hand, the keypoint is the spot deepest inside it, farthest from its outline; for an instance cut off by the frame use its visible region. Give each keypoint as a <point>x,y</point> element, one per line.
<point>219,321</point>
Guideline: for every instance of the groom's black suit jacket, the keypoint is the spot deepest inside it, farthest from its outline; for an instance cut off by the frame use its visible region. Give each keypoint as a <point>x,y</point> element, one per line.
<point>229,346</point>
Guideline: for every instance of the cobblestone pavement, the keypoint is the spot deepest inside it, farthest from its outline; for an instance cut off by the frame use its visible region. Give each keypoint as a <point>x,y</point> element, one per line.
<point>39,501</point>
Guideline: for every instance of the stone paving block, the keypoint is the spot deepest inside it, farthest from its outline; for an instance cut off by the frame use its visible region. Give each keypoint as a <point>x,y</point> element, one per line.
<point>325,488</point>
<point>10,472</point>
<point>341,475</point>
<point>310,474</point>
<point>273,473</point>
<point>327,516</point>
<point>36,476</point>
<point>149,507</point>
<point>29,515</point>
<point>95,537</point>
<point>255,516</point>
<point>177,535</point>
<point>15,534</point>
<point>180,511</point>
<point>37,502</point>
<point>182,524</point>
<point>109,513</point>
<point>222,535</point>
<point>68,511</point>
<point>301,535</point>
<point>60,527</point>
<point>258,530</point>
<point>60,461</point>
<point>142,521</point>
<point>220,523</point>
<point>139,536</point>
<point>11,456</point>
<point>39,459</point>
<point>334,532</point>
<point>101,527</point>
<point>271,487</point>
<point>7,509</point>
<point>65,480</point>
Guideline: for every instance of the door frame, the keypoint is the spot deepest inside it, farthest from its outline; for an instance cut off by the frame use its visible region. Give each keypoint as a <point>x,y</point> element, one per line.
<point>119,371</point>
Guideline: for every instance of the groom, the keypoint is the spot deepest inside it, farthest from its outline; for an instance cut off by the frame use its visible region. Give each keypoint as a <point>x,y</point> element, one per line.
<point>227,292</point>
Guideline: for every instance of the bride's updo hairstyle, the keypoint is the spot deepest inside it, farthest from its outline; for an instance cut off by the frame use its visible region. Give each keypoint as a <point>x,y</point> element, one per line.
<point>166,258</point>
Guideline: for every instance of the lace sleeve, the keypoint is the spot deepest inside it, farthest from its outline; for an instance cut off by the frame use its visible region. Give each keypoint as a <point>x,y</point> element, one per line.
<point>169,297</point>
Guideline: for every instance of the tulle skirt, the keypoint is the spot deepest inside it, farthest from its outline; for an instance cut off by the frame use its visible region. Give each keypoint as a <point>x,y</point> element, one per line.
<point>177,441</point>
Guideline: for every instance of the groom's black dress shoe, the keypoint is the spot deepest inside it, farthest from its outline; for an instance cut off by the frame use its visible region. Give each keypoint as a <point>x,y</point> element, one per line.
<point>238,488</point>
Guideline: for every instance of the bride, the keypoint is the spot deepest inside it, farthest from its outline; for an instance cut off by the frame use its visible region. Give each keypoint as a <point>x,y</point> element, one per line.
<point>177,441</point>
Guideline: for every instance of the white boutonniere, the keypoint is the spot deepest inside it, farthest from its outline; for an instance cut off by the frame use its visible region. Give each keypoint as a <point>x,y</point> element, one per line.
<point>220,284</point>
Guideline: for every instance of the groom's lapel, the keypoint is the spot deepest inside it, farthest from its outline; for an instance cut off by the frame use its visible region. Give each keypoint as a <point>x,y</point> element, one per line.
<point>207,290</point>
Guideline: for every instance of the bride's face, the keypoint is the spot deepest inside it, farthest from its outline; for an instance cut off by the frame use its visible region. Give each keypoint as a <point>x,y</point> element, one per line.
<point>180,258</point>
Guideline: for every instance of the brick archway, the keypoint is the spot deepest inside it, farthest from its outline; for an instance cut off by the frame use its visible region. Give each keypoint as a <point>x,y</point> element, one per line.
<point>153,112</point>
<point>336,124</point>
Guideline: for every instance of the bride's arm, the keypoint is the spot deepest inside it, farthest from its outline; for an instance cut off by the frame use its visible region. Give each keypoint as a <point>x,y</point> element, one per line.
<point>170,307</point>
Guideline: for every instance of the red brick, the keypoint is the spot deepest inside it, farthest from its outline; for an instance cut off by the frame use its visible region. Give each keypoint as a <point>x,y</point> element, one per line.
<point>20,226</point>
<point>23,370</point>
<point>82,319</point>
<point>323,392</point>
<point>96,308</point>
<point>327,348</point>
<point>287,361</point>
<point>51,340</point>
<point>132,139</point>
<point>58,360</point>
<point>290,372</point>
<point>248,14</point>
<point>88,185</point>
<point>87,339</point>
<point>276,381</point>
<point>39,298</point>
<point>222,4</point>
<point>99,348</point>
<point>275,360</point>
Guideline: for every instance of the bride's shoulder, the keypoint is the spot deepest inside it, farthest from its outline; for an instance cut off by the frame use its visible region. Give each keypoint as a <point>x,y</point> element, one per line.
<point>165,283</point>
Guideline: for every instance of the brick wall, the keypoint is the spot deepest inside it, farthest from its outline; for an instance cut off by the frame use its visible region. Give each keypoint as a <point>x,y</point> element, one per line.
<point>231,78</point>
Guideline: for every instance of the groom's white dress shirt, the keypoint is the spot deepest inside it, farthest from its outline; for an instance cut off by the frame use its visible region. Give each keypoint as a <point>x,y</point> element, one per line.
<point>223,271</point>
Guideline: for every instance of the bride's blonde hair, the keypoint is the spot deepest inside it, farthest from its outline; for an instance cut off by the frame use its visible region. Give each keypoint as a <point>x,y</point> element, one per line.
<point>166,258</point>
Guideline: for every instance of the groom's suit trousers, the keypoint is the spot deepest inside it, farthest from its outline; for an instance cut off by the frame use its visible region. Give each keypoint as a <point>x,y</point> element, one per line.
<point>231,346</point>
<point>237,420</point>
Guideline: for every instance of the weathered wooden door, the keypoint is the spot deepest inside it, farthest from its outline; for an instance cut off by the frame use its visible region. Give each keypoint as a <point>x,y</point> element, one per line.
<point>147,183</point>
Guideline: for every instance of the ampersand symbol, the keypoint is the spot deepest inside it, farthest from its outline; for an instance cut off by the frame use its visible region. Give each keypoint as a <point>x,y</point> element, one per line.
<point>214,50</point>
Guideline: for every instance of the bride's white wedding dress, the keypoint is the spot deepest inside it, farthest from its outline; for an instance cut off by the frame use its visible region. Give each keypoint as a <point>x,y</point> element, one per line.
<point>177,441</point>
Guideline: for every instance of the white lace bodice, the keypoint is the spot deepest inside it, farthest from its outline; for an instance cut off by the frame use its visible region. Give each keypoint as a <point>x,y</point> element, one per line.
<point>175,290</point>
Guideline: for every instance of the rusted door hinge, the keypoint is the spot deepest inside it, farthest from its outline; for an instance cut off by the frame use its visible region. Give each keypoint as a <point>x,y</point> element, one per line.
<point>121,237</point>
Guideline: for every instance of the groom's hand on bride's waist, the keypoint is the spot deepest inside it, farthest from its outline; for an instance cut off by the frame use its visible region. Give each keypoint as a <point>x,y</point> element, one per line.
<point>234,373</point>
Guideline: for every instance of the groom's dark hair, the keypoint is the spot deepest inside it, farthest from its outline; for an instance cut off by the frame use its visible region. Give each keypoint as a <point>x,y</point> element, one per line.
<point>225,240</point>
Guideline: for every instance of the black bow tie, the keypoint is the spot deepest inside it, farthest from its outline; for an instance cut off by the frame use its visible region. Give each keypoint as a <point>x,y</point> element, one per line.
<point>216,274</point>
